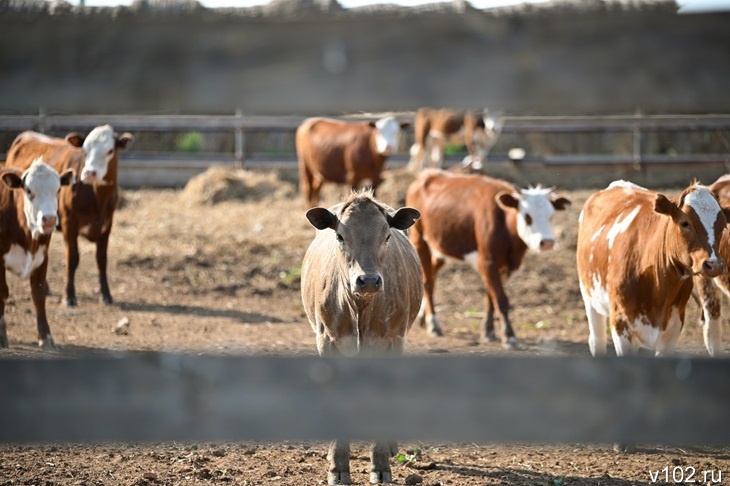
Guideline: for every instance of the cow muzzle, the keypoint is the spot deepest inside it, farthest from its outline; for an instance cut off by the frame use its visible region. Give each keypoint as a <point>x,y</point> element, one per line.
<point>547,244</point>
<point>368,284</point>
<point>48,224</point>
<point>712,267</point>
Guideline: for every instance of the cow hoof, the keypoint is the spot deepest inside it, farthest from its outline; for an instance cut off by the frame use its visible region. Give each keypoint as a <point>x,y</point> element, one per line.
<point>511,344</point>
<point>47,344</point>
<point>379,477</point>
<point>70,302</point>
<point>4,342</point>
<point>435,332</point>
<point>107,299</point>
<point>624,448</point>
<point>491,337</point>
<point>338,477</point>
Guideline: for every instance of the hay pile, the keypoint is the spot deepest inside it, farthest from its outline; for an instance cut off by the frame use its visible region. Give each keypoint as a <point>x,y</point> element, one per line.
<point>219,184</point>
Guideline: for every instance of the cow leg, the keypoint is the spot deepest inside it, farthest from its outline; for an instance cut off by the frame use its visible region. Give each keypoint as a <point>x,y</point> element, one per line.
<point>429,266</point>
<point>495,290</point>
<point>711,304</point>
<point>667,342</point>
<point>102,247</point>
<point>380,455</point>
<point>338,457</point>
<point>70,237</point>
<point>305,182</point>
<point>4,294</point>
<point>38,293</point>
<point>314,191</point>
<point>437,152</point>
<point>623,343</point>
<point>488,324</point>
<point>597,339</point>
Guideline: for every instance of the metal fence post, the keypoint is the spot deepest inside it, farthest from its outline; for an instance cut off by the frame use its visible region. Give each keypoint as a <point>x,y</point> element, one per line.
<point>240,139</point>
<point>638,163</point>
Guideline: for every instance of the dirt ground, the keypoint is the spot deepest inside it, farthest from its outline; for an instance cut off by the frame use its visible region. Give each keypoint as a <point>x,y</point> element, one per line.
<point>196,277</point>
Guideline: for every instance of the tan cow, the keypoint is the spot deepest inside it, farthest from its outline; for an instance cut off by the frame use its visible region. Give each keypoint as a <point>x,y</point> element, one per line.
<point>709,288</point>
<point>28,216</point>
<point>361,290</point>
<point>87,207</point>
<point>486,222</point>
<point>434,128</point>
<point>637,253</point>
<point>344,153</point>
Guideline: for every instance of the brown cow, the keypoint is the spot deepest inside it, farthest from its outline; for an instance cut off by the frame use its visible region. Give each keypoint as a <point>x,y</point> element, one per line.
<point>484,221</point>
<point>28,216</point>
<point>709,288</point>
<point>637,251</point>
<point>433,129</point>
<point>361,290</point>
<point>343,152</point>
<point>87,207</point>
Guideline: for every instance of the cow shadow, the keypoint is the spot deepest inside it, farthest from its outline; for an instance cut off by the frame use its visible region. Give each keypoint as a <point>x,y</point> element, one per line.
<point>199,311</point>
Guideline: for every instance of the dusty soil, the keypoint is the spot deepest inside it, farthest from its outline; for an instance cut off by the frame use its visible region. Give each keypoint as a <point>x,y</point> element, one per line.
<point>196,277</point>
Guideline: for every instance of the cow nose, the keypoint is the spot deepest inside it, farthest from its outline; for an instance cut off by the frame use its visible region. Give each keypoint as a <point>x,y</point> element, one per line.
<point>368,284</point>
<point>546,244</point>
<point>90,175</point>
<point>49,220</point>
<point>713,267</point>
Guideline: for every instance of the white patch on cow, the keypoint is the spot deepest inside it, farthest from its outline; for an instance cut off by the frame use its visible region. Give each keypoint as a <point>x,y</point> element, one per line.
<point>667,341</point>
<point>626,185</point>
<point>644,332</point>
<point>347,346</point>
<point>387,135</point>
<point>707,209</point>
<point>471,258</point>
<point>598,296</point>
<point>620,226</point>
<point>597,233</point>
<point>21,262</point>
<point>580,217</point>
<point>99,150</point>
<point>41,184</point>
<point>536,203</point>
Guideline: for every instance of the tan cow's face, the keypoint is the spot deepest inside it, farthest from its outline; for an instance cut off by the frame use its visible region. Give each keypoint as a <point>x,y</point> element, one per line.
<point>485,139</point>
<point>362,231</point>
<point>699,223</point>
<point>40,184</point>
<point>387,134</point>
<point>100,147</point>
<point>535,209</point>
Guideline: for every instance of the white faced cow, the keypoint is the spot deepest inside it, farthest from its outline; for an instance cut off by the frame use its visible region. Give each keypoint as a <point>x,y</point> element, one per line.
<point>484,221</point>
<point>344,153</point>
<point>86,208</point>
<point>361,290</point>
<point>637,253</point>
<point>433,129</point>
<point>28,217</point>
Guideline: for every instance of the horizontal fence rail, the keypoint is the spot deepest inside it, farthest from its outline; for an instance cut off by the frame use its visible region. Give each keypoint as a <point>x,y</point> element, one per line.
<point>159,397</point>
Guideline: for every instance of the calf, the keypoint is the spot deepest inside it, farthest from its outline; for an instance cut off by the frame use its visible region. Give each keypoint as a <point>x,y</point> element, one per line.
<point>87,207</point>
<point>637,252</point>
<point>28,216</point>
<point>433,129</point>
<point>486,222</point>
<point>709,288</point>
<point>361,290</point>
<point>343,152</point>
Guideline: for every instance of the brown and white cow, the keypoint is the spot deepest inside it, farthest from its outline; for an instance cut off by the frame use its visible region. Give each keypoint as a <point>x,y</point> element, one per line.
<point>486,222</point>
<point>361,290</point>
<point>28,216</point>
<point>87,207</point>
<point>637,253</point>
<point>434,128</point>
<point>344,152</point>
<point>709,289</point>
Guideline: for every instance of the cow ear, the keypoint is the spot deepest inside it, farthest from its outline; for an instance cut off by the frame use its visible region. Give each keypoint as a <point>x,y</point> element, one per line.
<point>68,177</point>
<point>404,125</point>
<point>321,218</point>
<point>508,200</point>
<point>12,178</point>
<point>726,212</point>
<point>124,140</point>
<point>75,139</point>
<point>662,205</point>
<point>404,218</point>
<point>560,203</point>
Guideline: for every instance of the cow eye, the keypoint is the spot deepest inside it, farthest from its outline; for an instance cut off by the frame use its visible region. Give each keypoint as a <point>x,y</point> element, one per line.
<point>111,151</point>
<point>339,237</point>
<point>387,238</point>
<point>29,193</point>
<point>684,224</point>
<point>528,219</point>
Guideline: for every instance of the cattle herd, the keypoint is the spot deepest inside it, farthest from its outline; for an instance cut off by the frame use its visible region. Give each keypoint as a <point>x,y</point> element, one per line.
<point>370,270</point>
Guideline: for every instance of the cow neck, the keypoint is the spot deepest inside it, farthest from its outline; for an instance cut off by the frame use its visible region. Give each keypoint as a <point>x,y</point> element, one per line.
<point>519,247</point>
<point>380,158</point>
<point>107,190</point>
